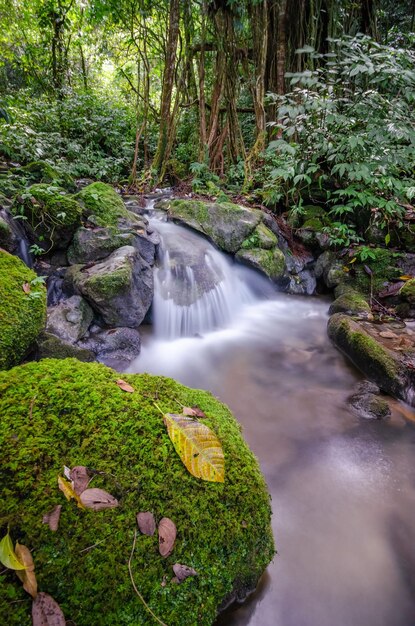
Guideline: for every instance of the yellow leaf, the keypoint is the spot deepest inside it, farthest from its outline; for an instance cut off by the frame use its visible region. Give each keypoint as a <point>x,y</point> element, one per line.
<point>405,277</point>
<point>28,576</point>
<point>8,556</point>
<point>68,491</point>
<point>198,447</point>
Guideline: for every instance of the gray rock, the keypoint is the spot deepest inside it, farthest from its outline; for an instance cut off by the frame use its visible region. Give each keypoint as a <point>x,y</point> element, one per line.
<point>329,269</point>
<point>120,288</point>
<point>52,347</point>
<point>367,402</point>
<point>115,347</point>
<point>69,319</point>
<point>270,262</point>
<point>302,284</point>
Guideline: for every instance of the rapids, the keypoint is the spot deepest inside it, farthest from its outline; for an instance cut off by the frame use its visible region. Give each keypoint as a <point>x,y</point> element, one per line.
<point>343,490</point>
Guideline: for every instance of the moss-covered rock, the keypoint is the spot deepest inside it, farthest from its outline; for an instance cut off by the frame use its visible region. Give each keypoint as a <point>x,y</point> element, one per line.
<point>352,303</point>
<point>407,292</point>
<point>103,202</point>
<point>387,368</point>
<point>93,245</point>
<point>384,267</point>
<point>22,315</point>
<point>262,237</point>
<point>51,216</point>
<point>79,416</point>
<point>51,347</point>
<point>270,262</point>
<point>228,225</point>
<point>120,287</point>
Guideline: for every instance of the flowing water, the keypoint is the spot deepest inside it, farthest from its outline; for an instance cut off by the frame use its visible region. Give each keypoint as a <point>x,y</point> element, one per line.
<point>343,490</point>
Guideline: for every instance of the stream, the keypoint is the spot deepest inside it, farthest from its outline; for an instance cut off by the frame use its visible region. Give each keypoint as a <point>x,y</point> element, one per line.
<point>343,489</point>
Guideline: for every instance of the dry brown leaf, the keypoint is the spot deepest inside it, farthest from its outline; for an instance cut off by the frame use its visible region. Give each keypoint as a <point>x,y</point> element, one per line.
<point>198,412</point>
<point>52,518</point>
<point>80,478</point>
<point>26,287</point>
<point>124,386</point>
<point>167,536</point>
<point>183,571</point>
<point>388,334</point>
<point>27,576</point>
<point>187,410</point>
<point>68,491</point>
<point>46,611</point>
<point>146,523</point>
<point>98,499</point>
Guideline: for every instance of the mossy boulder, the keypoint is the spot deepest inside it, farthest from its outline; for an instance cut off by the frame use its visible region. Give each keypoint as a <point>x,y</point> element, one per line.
<point>393,372</point>
<point>228,225</point>
<point>407,292</point>
<point>262,237</point>
<point>102,201</point>
<point>269,262</point>
<point>51,347</point>
<point>79,416</point>
<point>120,287</point>
<point>70,319</point>
<point>44,172</point>
<point>352,303</point>
<point>22,315</point>
<point>51,216</point>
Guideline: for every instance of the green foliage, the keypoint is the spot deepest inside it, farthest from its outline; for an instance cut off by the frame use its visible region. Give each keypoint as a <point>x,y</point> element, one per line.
<point>347,138</point>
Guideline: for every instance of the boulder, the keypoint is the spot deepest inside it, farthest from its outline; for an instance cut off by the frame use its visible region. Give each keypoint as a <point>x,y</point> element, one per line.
<point>52,347</point>
<point>120,287</point>
<point>80,416</point>
<point>70,319</point>
<point>352,303</point>
<point>115,347</point>
<point>269,262</point>
<point>51,216</point>
<point>378,352</point>
<point>226,224</point>
<point>330,269</point>
<point>102,201</point>
<point>22,309</point>
<point>367,402</point>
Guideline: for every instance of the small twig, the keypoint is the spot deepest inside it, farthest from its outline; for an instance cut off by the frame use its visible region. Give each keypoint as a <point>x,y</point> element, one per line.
<point>93,546</point>
<point>134,585</point>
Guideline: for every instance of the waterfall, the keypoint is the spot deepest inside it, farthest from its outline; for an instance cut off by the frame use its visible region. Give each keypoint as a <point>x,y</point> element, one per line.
<point>197,289</point>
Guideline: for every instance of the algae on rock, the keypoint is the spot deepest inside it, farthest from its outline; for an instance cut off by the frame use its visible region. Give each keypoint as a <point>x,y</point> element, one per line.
<point>79,416</point>
<point>103,202</point>
<point>22,315</point>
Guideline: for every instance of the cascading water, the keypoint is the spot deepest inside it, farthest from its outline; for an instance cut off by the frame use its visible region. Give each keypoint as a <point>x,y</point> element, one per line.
<point>342,489</point>
<point>196,288</point>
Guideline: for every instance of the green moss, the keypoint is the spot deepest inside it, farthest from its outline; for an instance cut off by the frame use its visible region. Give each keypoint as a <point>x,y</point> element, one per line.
<point>22,316</point>
<point>52,347</point>
<point>351,303</point>
<point>110,285</point>
<point>313,223</point>
<point>100,200</point>
<point>52,215</point>
<point>366,353</point>
<point>408,291</point>
<point>66,412</point>
<point>270,262</point>
<point>383,266</point>
<point>262,237</point>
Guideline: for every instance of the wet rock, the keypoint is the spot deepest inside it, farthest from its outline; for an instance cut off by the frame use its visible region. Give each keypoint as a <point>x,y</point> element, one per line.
<point>69,319</point>
<point>367,402</point>
<point>115,347</point>
<point>392,370</point>
<point>226,224</point>
<point>329,269</point>
<point>52,347</point>
<point>270,262</point>
<point>302,284</point>
<point>120,288</point>
<point>352,303</point>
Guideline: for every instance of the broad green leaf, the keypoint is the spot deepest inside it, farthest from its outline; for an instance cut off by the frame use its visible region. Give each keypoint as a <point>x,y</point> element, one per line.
<point>198,447</point>
<point>8,556</point>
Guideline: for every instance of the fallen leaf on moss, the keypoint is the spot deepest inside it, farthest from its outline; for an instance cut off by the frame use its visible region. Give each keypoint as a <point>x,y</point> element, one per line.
<point>26,287</point>
<point>46,611</point>
<point>27,576</point>
<point>80,478</point>
<point>98,499</point>
<point>124,386</point>
<point>187,410</point>
<point>8,556</point>
<point>405,277</point>
<point>167,536</point>
<point>183,571</point>
<point>68,491</point>
<point>52,518</point>
<point>388,334</point>
<point>198,412</point>
<point>198,447</point>
<point>146,523</point>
